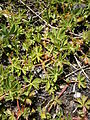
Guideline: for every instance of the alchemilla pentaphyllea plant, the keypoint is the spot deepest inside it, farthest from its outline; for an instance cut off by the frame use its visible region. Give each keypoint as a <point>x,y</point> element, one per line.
<point>38,42</point>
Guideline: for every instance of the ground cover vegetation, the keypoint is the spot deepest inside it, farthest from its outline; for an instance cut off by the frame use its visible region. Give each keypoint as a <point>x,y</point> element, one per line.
<point>44,59</point>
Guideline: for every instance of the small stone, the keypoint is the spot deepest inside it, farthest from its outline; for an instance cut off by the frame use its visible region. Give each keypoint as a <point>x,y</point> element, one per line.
<point>0,8</point>
<point>77,95</point>
<point>39,69</point>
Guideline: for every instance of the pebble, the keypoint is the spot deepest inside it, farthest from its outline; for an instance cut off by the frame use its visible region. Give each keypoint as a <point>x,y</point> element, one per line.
<point>0,8</point>
<point>77,95</point>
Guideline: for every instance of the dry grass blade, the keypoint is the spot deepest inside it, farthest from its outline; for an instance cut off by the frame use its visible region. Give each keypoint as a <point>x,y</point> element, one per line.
<point>81,67</point>
<point>38,15</point>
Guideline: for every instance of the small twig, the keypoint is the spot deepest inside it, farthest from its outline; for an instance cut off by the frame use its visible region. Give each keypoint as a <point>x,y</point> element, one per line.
<point>76,118</point>
<point>74,67</point>
<point>63,90</point>
<point>45,39</point>
<point>83,67</point>
<point>44,4</point>
<point>80,67</point>
<point>37,15</point>
<point>77,36</point>
<point>18,105</point>
<point>74,86</point>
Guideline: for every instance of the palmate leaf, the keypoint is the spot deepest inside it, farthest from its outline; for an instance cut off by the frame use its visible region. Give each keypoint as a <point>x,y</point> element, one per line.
<point>84,99</point>
<point>79,101</point>
<point>83,102</point>
<point>79,106</point>
<point>10,114</point>
<point>81,81</point>
<point>87,104</point>
<point>81,84</point>
<point>37,53</point>
<point>86,35</point>
<point>54,73</point>
<point>36,83</point>
<point>81,113</point>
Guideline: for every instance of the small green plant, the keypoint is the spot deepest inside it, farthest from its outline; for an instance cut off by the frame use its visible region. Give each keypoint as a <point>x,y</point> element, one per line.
<point>54,102</point>
<point>83,105</point>
<point>81,81</point>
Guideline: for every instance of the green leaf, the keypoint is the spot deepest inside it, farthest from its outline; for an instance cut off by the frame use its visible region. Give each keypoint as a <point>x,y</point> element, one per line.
<point>47,85</point>
<point>36,83</point>
<point>81,81</point>
<point>55,77</point>
<point>43,113</point>
<point>9,112</point>
<point>32,94</point>
<point>79,106</point>
<point>1,69</point>
<point>79,101</point>
<point>28,101</point>
<point>84,98</point>
<point>12,29</point>
<point>87,104</point>
<point>83,102</point>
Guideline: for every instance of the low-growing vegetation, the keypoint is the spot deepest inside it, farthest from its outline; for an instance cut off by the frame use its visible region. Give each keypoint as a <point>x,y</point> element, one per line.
<point>44,59</point>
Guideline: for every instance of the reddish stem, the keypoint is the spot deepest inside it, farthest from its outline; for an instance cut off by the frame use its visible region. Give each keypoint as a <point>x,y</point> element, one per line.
<point>76,118</point>
<point>18,109</point>
<point>63,90</point>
